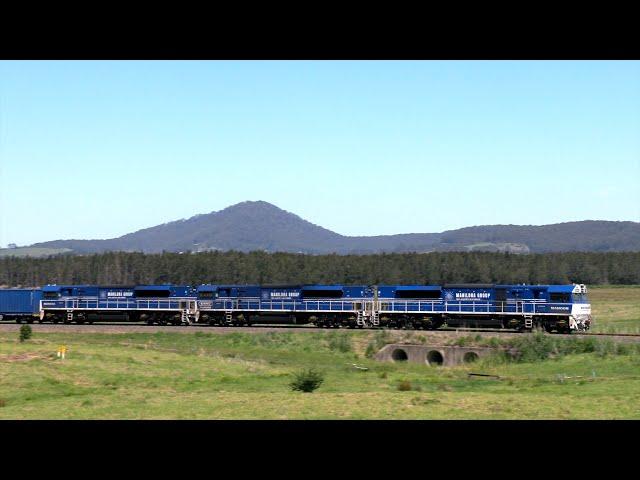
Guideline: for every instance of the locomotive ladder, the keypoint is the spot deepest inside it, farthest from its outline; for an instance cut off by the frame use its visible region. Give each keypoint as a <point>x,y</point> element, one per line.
<point>360,319</point>
<point>185,317</point>
<point>228,316</point>
<point>528,321</point>
<point>375,319</point>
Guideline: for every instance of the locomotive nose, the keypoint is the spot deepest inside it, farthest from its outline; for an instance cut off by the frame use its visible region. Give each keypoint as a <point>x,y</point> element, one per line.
<point>581,316</point>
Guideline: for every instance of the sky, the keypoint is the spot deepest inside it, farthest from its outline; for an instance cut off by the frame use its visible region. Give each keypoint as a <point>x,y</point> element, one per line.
<point>98,149</point>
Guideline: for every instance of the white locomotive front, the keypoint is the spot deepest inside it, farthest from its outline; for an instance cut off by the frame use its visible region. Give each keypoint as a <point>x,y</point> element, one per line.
<point>580,318</point>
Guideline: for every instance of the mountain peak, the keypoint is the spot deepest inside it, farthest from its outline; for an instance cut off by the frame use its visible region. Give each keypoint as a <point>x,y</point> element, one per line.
<point>251,205</point>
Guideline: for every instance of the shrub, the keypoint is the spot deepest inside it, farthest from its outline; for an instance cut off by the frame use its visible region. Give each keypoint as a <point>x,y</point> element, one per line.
<point>25,332</point>
<point>307,380</point>
<point>339,342</point>
<point>380,339</point>
<point>605,348</point>
<point>404,385</point>
<point>462,341</point>
<point>370,351</point>
<point>537,346</point>
<point>624,349</point>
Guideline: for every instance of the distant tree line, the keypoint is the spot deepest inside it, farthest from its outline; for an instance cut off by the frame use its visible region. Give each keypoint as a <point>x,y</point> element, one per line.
<point>122,268</point>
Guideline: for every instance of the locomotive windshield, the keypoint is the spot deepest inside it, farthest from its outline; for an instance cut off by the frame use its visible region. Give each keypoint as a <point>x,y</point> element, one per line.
<point>580,298</point>
<point>560,297</point>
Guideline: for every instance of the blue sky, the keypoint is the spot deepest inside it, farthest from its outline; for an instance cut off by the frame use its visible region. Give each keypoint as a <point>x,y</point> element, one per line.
<point>100,149</point>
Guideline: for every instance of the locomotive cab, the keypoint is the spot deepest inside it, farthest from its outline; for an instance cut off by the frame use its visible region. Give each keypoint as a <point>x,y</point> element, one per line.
<point>580,318</point>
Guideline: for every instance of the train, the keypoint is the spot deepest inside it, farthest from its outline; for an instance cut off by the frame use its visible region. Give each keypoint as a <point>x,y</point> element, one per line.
<point>554,308</point>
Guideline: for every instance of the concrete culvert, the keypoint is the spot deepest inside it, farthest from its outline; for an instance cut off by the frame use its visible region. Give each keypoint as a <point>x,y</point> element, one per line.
<point>470,357</point>
<point>434,357</point>
<point>399,355</point>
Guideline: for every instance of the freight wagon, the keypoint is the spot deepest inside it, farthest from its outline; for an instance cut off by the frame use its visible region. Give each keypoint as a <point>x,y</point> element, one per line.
<point>20,304</point>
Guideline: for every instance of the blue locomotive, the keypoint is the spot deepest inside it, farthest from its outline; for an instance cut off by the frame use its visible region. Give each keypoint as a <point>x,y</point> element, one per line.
<point>153,304</point>
<point>559,308</point>
<point>321,305</point>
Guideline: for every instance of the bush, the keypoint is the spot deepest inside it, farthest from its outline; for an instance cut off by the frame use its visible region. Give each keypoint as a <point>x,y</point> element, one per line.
<point>339,342</point>
<point>462,341</point>
<point>380,339</point>
<point>536,346</point>
<point>623,349</point>
<point>370,351</point>
<point>25,333</point>
<point>307,380</point>
<point>404,385</point>
<point>539,346</point>
<point>605,348</point>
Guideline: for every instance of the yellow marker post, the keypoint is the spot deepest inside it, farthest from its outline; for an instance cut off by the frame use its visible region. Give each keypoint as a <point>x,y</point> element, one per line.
<point>62,350</point>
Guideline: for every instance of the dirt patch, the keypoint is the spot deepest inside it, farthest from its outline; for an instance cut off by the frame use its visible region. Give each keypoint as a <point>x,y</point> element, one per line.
<point>23,357</point>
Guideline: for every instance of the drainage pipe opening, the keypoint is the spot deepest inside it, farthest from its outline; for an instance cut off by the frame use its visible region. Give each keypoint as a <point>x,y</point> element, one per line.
<point>399,355</point>
<point>434,357</point>
<point>470,357</point>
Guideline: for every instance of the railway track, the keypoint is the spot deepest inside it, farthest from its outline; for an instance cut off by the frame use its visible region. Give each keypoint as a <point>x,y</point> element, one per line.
<point>128,327</point>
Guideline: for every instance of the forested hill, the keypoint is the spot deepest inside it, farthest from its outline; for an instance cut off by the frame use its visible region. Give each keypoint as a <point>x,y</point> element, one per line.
<point>250,226</point>
<point>120,268</point>
<point>587,235</point>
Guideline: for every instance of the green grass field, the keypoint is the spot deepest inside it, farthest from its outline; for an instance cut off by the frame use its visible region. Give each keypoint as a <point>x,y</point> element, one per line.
<point>247,376</point>
<point>615,309</point>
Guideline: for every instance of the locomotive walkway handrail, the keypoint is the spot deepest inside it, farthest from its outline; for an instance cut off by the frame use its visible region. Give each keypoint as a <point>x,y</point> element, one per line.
<point>462,306</point>
<point>385,306</point>
<point>177,303</point>
<point>284,305</point>
<point>367,305</point>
